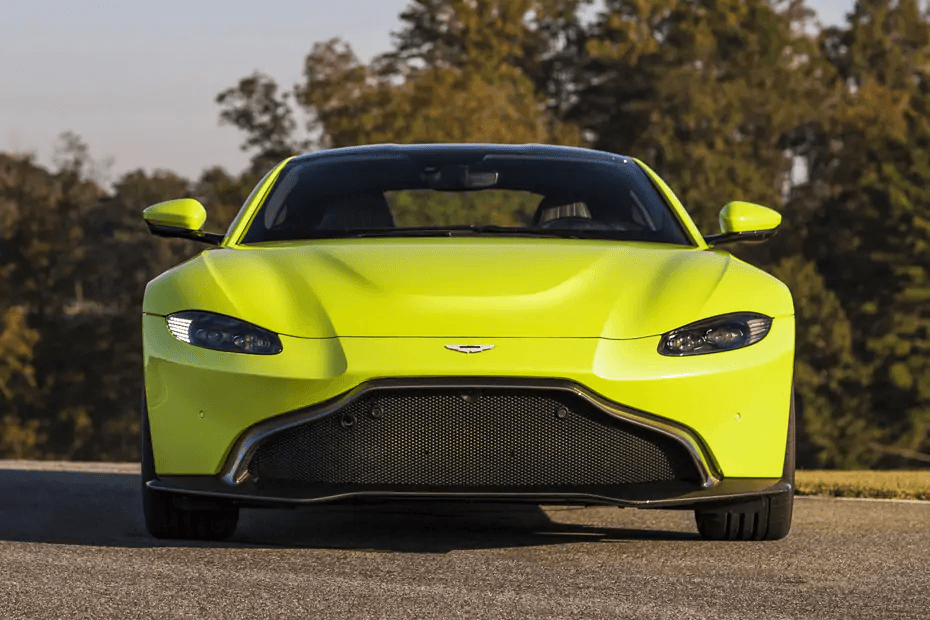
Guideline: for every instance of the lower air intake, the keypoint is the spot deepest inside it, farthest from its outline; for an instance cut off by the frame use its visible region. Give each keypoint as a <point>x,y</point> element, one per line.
<point>495,437</point>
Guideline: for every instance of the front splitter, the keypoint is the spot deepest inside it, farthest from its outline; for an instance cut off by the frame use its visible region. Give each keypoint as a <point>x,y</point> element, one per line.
<point>660,495</point>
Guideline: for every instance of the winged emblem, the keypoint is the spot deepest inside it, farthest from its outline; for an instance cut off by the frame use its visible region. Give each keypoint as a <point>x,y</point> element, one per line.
<point>469,348</point>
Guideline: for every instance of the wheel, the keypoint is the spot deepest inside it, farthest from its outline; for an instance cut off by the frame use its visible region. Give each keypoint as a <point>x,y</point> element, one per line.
<point>165,519</point>
<point>768,518</point>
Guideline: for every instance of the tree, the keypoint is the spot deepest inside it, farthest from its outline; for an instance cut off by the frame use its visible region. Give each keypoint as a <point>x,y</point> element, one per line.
<point>255,106</point>
<point>460,71</point>
<point>18,437</point>
<point>43,246</point>
<point>870,230</point>
<point>706,91</point>
<point>835,425</point>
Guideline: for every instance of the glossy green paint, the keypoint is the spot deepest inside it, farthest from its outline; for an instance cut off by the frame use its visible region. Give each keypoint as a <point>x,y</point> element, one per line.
<point>351,310</point>
<point>741,217</point>
<point>185,213</point>
<point>467,287</point>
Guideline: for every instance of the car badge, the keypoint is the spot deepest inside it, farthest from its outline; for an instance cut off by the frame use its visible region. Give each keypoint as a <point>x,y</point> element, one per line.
<point>469,348</point>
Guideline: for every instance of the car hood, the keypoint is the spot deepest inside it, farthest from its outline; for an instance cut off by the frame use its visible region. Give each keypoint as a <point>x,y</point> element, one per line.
<point>467,287</point>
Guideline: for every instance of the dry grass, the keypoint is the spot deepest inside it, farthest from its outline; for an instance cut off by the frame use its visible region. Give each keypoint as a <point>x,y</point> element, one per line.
<point>829,483</point>
<point>879,484</point>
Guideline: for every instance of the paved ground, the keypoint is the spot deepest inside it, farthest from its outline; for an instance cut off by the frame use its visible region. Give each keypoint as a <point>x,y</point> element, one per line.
<point>72,545</point>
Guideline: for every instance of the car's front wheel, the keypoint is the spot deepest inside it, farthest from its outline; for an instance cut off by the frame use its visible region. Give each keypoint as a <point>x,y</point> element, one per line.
<point>768,518</point>
<point>164,518</point>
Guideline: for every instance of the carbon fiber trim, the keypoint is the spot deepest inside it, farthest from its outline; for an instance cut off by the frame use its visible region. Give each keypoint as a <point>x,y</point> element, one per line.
<point>659,495</point>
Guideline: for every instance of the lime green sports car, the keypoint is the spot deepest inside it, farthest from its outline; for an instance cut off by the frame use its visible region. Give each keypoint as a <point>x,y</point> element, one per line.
<point>467,323</point>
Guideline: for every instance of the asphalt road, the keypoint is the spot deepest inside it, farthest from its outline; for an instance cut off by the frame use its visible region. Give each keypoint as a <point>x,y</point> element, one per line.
<point>72,545</point>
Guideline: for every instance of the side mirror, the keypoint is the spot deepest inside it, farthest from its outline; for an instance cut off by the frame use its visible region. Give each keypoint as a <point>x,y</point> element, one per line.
<point>745,221</point>
<point>182,218</point>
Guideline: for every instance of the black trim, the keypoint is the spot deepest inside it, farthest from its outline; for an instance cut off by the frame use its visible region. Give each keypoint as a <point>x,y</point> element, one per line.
<point>160,230</point>
<point>736,237</point>
<point>235,471</point>
<point>788,469</point>
<point>665,495</point>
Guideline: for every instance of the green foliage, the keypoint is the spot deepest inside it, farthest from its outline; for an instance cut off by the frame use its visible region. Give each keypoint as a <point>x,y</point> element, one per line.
<point>868,204</point>
<point>706,92</point>
<point>353,104</point>
<point>255,107</point>
<point>432,208</point>
<point>74,261</point>
<point>727,99</point>
<point>836,418</point>
<point>16,342</point>
<point>17,384</point>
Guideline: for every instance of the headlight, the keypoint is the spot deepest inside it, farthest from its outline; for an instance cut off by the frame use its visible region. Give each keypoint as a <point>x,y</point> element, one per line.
<point>721,333</point>
<point>222,333</point>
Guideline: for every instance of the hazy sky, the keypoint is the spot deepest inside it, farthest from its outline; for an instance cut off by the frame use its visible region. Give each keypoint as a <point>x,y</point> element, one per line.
<point>137,80</point>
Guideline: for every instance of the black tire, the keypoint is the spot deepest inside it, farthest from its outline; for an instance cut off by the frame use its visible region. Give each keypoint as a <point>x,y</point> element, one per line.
<point>768,518</point>
<point>165,519</point>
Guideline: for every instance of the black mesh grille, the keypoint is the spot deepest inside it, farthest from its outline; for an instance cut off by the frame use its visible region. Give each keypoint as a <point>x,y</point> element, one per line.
<point>488,438</point>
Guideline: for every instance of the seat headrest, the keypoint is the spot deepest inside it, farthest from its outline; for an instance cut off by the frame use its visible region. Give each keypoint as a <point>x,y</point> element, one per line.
<point>555,207</point>
<point>363,210</point>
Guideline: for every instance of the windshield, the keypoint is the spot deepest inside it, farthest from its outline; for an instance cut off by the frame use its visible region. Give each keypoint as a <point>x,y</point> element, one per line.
<point>507,195</point>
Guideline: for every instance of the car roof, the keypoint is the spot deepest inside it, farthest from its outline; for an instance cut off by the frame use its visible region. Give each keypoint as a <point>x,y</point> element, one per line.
<point>454,151</point>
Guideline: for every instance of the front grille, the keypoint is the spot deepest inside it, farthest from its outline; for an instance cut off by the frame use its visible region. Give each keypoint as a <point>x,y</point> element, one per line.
<point>494,437</point>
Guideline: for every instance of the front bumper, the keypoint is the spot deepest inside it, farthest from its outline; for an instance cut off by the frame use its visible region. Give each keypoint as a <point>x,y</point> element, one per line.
<point>204,405</point>
<point>687,477</point>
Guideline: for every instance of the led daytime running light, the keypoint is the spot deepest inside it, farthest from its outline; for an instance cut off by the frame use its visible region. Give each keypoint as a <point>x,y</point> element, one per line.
<point>180,328</point>
<point>218,332</point>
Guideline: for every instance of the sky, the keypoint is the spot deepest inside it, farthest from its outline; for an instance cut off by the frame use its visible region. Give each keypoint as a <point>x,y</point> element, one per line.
<point>137,80</point>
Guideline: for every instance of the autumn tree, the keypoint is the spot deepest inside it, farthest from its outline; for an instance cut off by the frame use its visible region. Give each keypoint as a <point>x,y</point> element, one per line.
<point>704,90</point>
<point>42,240</point>
<point>867,210</point>
<point>461,71</point>
<point>256,107</point>
<point>19,435</point>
